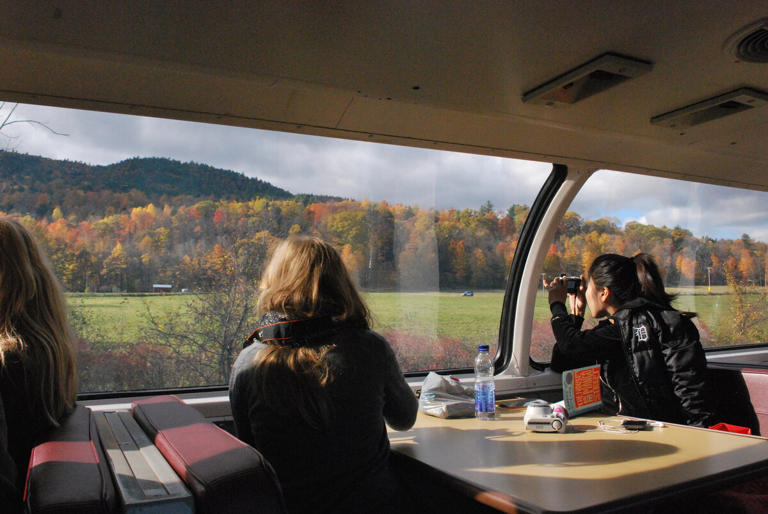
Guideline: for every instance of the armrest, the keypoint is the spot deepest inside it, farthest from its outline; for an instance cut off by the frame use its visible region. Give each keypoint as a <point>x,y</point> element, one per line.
<point>223,473</point>
<point>68,473</point>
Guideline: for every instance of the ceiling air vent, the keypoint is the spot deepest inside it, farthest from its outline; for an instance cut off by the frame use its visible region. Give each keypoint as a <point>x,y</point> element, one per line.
<point>734,102</point>
<point>590,78</point>
<point>750,44</point>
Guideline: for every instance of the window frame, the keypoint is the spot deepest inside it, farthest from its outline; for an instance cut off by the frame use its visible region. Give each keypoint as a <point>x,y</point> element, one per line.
<point>513,286</point>
<point>753,354</point>
<point>536,216</point>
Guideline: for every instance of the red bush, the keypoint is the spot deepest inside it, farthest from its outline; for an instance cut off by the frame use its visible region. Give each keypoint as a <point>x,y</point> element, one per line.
<point>419,353</point>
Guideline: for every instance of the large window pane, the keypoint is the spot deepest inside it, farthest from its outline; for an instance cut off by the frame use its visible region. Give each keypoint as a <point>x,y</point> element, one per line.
<point>160,247</point>
<point>710,242</point>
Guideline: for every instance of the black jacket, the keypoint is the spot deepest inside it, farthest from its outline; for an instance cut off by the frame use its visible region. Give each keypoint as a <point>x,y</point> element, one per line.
<point>652,363</point>
<point>345,466</point>
<point>26,423</point>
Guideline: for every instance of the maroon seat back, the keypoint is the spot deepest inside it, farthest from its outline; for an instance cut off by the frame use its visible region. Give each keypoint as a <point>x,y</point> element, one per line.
<point>756,381</point>
<point>224,474</point>
<point>68,473</point>
<point>731,397</point>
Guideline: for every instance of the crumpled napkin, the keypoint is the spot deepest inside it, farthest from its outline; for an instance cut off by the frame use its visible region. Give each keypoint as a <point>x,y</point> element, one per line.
<point>446,398</point>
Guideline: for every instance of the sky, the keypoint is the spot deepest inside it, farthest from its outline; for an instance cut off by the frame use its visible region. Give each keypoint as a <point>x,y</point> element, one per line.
<point>360,170</point>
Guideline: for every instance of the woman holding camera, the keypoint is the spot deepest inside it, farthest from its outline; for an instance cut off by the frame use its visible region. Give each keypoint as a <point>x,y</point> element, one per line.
<point>652,363</point>
<point>314,386</point>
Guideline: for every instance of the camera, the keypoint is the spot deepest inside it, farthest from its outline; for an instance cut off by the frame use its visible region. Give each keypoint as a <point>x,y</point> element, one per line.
<point>572,284</point>
<point>540,416</point>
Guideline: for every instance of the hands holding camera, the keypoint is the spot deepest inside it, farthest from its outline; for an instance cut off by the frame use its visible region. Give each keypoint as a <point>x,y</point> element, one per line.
<point>572,288</point>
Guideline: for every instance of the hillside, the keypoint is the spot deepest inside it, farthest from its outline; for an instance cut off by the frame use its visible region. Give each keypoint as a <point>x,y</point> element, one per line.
<point>36,185</point>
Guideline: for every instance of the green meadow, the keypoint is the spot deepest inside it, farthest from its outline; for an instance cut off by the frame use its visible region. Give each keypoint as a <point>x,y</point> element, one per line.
<point>122,318</point>
<point>472,319</point>
<point>475,319</point>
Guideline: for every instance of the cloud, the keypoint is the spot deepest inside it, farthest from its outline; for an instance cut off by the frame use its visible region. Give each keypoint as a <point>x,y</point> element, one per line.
<point>357,170</point>
<point>704,209</point>
<point>298,163</point>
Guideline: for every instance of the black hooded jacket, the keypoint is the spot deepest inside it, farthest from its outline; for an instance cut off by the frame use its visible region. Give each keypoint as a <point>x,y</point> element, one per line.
<point>652,363</point>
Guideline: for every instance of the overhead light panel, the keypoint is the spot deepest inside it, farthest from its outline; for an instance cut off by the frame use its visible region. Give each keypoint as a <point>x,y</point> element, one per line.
<point>595,76</point>
<point>734,102</point>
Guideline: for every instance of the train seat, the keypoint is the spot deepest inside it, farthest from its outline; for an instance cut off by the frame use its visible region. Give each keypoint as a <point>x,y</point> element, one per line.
<point>742,399</point>
<point>68,473</point>
<point>756,381</point>
<point>223,473</point>
<point>733,398</point>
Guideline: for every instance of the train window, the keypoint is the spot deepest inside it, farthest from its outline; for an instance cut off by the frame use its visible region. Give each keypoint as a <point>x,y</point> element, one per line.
<point>710,242</point>
<point>160,248</point>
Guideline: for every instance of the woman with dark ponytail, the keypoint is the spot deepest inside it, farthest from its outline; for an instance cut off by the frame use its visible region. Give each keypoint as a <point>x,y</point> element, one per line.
<point>652,363</point>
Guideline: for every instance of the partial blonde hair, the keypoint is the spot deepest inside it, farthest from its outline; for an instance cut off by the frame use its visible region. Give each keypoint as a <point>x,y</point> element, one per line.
<point>307,277</point>
<point>33,322</point>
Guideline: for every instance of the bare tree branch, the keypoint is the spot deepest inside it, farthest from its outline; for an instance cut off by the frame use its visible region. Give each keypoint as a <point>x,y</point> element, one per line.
<point>34,122</point>
<point>7,121</point>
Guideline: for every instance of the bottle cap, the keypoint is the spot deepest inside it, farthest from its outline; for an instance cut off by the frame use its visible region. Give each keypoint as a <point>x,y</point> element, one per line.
<point>482,347</point>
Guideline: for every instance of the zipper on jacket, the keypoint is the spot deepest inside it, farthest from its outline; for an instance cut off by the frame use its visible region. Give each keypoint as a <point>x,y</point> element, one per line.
<point>608,385</point>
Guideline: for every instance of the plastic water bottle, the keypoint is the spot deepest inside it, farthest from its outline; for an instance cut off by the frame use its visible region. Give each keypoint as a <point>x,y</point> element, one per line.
<point>485,389</point>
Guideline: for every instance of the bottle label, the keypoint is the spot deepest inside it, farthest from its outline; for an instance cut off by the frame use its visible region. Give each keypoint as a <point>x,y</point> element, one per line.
<point>485,398</point>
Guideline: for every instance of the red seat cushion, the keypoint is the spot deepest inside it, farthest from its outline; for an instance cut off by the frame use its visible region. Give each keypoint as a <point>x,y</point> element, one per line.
<point>223,473</point>
<point>68,473</point>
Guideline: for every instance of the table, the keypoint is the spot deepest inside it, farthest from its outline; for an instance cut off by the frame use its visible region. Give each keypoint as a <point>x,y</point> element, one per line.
<point>586,468</point>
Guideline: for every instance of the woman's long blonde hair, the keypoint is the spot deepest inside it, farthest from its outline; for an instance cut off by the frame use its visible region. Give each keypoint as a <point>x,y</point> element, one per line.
<point>305,278</point>
<point>33,323</point>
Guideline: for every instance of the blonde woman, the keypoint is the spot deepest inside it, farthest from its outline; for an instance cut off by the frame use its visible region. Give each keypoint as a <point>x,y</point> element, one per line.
<point>37,362</point>
<point>314,386</point>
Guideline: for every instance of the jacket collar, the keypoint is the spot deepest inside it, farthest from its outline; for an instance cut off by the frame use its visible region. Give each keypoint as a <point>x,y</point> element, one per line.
<point>278,328</point>
<point>637,303</point>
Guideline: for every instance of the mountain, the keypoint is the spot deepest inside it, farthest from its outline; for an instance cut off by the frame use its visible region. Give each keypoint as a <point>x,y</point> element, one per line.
<point>35,185</point>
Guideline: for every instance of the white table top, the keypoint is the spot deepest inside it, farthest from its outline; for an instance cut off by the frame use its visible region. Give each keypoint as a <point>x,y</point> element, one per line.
<point>585,467</point>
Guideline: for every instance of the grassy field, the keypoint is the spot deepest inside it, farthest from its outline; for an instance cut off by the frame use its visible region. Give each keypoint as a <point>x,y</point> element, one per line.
<point>473,319</point>
<point>470,319</point>
<point>123,318</point>
<point>426,331</point>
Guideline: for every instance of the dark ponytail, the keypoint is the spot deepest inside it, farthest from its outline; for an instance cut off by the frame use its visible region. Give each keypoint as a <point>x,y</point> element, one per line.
<point>650,280</point>
<point>617,273</point>
<point>629,278</point>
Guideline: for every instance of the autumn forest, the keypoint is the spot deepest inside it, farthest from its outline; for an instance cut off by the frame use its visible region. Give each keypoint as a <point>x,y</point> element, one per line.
<point>141,222</point>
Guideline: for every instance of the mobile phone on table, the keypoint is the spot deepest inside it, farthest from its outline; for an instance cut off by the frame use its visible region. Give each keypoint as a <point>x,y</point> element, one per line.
<point>634,424</point>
